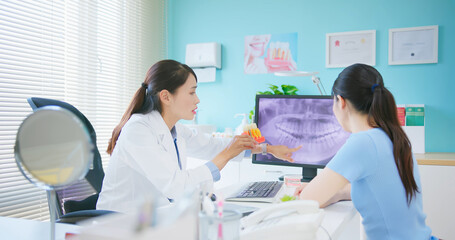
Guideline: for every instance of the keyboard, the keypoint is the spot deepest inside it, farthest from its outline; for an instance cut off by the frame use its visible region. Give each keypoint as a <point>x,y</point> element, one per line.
<point>257,192</point>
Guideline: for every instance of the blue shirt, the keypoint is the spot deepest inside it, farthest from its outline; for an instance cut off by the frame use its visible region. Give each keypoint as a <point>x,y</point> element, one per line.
<point>367,162</point>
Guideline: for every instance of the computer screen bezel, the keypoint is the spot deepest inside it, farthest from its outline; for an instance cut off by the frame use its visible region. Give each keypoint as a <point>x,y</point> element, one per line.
<point>281,162</point>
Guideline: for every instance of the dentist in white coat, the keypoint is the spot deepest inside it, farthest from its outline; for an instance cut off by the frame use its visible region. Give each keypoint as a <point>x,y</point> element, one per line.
<point>149,148</point>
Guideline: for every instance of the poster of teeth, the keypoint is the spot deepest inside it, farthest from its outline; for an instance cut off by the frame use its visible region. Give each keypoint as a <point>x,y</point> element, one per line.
<point>270,53</point>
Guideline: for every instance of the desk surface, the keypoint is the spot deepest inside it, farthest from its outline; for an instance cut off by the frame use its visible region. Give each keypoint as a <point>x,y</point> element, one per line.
<point>336,216</point>
<point>440,159</point>
<point>23,229</point>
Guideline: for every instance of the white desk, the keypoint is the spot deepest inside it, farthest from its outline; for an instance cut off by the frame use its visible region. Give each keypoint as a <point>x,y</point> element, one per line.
<point>339,218</point>
<point>23,229</point>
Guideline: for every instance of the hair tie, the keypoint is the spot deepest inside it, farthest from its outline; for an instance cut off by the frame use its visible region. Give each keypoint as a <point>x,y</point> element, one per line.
<point>374,87</point>
<point>145,85</point>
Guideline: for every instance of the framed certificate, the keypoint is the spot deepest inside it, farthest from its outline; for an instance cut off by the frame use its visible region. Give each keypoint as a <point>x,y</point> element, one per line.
<point>346,48</point>
<point>414,45</point>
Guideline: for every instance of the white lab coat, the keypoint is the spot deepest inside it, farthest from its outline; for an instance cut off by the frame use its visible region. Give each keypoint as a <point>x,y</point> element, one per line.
<point>144,162</point>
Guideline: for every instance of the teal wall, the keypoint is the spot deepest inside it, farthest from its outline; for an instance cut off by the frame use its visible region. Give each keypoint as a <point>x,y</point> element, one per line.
<point>229,21</point>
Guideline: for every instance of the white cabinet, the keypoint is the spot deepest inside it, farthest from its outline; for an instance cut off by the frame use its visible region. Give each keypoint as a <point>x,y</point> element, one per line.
<point>438,193</point>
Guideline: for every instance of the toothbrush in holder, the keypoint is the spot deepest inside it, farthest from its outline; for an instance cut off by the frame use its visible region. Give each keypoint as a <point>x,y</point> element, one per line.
<point>220,216</point>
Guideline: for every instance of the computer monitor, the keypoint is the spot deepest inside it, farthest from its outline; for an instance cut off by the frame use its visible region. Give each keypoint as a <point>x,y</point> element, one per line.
<point>295,120</point>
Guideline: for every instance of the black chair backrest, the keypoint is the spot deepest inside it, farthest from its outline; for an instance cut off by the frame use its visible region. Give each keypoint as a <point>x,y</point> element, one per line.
<point>94,176</point>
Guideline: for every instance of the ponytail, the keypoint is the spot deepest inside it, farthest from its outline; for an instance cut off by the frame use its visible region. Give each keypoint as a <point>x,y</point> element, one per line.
<point>163,75</point>
<point>383,113</point>
<point>364,87</point>
<point>135,104</point>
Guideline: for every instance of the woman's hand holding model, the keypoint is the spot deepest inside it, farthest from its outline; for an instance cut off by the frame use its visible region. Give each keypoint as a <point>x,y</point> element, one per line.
<point>246,142</point>
<point>235,147</point>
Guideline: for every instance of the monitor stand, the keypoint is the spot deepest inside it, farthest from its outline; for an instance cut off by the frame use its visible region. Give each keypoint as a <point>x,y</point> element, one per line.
<point>308,174</point>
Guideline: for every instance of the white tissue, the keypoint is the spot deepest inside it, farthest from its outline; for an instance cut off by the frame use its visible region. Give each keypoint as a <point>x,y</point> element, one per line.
<point>205,74</point>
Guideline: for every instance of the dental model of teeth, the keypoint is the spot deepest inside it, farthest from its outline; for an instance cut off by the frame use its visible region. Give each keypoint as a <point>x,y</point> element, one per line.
<point>253,130</point>
<point>278,57</point>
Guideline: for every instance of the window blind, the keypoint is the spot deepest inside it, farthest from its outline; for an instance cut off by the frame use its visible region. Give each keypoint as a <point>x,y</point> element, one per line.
<point>91,54</point>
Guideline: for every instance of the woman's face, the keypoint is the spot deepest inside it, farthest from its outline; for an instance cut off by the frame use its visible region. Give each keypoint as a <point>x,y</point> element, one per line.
<point>185,100</point>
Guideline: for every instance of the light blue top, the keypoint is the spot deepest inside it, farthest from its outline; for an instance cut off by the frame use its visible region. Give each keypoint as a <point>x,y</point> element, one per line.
<point>366,160</point>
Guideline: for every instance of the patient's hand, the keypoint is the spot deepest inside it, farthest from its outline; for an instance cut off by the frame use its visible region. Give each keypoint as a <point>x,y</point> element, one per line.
<point>282,152</point>
<point>299,189</point>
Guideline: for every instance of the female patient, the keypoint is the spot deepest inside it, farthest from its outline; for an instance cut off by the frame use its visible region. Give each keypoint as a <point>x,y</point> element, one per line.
<point>375,166</point>
<point>149,148</point>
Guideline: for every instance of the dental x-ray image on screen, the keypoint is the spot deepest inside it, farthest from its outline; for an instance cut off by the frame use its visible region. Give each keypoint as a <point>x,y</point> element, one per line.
<point>299,120</point>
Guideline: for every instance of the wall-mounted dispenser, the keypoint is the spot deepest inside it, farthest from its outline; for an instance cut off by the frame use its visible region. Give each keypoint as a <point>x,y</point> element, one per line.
<point>204,59</point>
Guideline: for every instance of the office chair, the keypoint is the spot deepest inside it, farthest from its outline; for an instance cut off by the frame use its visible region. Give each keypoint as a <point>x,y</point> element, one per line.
<point>72,205</point>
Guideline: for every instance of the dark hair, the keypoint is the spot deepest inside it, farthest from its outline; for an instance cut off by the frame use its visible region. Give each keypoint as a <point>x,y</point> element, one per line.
<point>364,87</point>
<point>163,75</point>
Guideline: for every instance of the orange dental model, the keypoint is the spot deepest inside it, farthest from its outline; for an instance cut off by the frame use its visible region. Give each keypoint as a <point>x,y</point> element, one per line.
<point>253,131</point>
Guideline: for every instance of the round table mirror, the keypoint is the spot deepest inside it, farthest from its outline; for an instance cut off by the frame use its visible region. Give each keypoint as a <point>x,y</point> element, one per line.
<point>53,150</point>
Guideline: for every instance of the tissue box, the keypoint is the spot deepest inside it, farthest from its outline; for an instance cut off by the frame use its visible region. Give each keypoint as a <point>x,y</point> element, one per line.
<point>203,55</point>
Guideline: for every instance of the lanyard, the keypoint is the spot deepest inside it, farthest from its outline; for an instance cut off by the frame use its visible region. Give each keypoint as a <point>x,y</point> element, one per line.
<point>178,158</point>
<point>178,155</point>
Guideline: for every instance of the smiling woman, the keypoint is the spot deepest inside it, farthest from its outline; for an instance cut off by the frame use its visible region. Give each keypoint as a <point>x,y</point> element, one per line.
<point>254,50</point>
